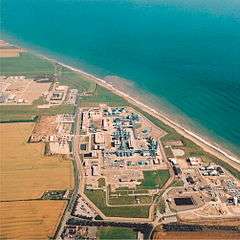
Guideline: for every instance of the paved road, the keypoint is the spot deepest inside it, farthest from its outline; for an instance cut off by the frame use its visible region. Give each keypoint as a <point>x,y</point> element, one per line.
<point>67,213</point>
<point>80,185</point>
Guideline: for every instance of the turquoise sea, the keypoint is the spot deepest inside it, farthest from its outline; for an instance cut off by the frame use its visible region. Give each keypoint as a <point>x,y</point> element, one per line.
<point>184,53</point>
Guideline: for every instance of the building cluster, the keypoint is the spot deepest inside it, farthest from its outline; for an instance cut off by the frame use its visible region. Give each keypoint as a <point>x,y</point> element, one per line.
<point>6,95</point>
<point>72,232</point>
<point>61,142</point>
<point>117,144</point>
<point>21,90</point>
<point>176,167</point>
<point>194,161</point>
<point>211,170</point>
<point>233,190</point>
<point>124,143</point>
<point>208,186</point>
<point>72,96</point>
<point>220,185</point>
<point>57,94</point>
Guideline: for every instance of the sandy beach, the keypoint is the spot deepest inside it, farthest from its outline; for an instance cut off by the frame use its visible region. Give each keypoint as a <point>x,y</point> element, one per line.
<point>196,138</point>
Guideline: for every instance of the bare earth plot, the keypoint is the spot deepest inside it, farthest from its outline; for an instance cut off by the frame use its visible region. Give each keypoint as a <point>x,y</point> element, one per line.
<point>25,174</point>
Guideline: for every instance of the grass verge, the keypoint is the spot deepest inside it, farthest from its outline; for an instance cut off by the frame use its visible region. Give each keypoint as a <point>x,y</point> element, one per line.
<point>98,197</point>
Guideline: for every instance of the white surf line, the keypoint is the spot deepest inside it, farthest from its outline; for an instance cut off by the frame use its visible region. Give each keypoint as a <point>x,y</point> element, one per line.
<point>137,102</point>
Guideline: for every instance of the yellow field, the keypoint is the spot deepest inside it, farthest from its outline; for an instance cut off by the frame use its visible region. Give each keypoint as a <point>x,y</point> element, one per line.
<point>25,172</point>
<point>30,219</point>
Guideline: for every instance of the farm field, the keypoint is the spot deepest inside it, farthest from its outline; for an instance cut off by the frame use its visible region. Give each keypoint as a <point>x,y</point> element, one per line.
<point>11,113</point>
<point>30,219</point>
<point>25,172</point>
<point>26,64</point>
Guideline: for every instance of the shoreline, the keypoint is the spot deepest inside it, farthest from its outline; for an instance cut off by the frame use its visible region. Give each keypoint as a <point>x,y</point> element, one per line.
<point>173,113</point>
<point>206,145</point>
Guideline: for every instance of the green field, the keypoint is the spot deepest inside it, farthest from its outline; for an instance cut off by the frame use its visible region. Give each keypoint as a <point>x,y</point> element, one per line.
<point>75,80</point>
<point>116,233</point>
<point>154,179</point>
<point>98,197</point>
<point>177,183</point>
<point>10,113</point>
<point>27,64</point>
<point>96,94</point>
<point>102,95</point>
<point>125,200</point>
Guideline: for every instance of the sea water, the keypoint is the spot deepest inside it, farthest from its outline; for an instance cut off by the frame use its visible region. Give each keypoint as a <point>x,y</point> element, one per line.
<point>185,53</point>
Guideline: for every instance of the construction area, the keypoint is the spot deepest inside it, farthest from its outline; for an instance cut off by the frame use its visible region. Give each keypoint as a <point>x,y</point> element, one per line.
<point>55,132</point>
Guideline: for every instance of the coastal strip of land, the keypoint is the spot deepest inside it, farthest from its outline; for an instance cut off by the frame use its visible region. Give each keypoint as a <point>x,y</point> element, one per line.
<point>207,146</point>
<point>97,107</point>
